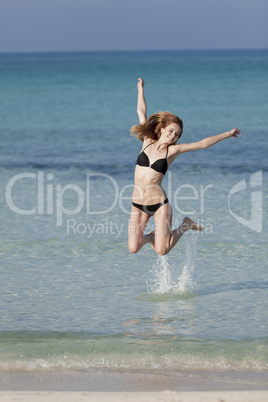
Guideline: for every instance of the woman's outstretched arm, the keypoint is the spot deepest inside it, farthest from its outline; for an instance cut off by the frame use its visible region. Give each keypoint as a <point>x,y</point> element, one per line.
<point>141,105</point>
<point>206,142</point>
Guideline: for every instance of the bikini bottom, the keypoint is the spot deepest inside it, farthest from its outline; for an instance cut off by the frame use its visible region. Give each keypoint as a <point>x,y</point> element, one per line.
<point>150,209</point>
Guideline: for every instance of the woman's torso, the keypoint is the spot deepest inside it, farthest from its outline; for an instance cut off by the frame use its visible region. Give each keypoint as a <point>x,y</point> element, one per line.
<point>149,173</point>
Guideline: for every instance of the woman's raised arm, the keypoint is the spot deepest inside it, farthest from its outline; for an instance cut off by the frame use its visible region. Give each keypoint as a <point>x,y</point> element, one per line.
<point>141,105</point>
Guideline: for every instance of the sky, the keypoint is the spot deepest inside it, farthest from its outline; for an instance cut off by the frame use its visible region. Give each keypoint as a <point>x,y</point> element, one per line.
<point>90,25</point>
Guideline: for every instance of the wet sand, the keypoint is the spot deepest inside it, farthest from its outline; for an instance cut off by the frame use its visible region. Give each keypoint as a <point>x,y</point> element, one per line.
<point>110,385</point>
<point>164,396</point>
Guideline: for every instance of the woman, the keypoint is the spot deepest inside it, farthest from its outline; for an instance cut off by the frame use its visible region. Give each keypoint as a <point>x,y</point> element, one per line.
<point>159,134</point>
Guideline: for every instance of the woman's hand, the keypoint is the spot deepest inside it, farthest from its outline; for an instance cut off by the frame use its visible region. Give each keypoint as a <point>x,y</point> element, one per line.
<point>234,132</point>
<point>140,83</point>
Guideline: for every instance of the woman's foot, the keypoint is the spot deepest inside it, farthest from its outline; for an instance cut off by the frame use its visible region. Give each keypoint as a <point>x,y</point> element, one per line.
<point>188,224</point>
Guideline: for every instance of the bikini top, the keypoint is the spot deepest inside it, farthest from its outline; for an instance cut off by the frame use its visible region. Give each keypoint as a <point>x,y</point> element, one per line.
<point>160,165</point>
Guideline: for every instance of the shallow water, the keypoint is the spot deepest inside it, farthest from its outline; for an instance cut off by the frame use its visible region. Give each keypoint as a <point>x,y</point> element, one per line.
<point>72,296</point>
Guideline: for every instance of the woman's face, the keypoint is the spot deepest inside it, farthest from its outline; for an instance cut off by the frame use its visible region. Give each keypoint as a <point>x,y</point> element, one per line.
<point>171,133</point>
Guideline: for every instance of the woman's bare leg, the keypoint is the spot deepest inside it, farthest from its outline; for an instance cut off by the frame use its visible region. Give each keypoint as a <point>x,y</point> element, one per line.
<point>165,238</point>
<point>137,224</point>
<point>187,224</point>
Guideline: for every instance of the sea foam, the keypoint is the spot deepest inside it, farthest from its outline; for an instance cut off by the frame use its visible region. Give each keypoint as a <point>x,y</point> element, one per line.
<point>178,277</point>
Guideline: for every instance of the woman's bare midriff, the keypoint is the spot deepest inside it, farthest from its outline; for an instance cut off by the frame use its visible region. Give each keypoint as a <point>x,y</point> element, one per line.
<point>148,189</point>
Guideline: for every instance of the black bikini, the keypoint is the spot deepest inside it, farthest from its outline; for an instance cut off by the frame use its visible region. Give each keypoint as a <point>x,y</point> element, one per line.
<point>150,209</point>
<point>161,166</point>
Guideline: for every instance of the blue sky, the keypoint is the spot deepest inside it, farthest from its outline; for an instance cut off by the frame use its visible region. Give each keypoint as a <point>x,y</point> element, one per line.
<point>82,25</point>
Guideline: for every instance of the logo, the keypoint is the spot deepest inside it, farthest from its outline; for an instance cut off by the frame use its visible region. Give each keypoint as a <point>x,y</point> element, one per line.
<point>255,221</point>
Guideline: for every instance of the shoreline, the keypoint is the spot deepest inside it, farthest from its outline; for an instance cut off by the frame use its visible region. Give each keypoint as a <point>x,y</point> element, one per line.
<point>165,396</point>
<point>107,380</point>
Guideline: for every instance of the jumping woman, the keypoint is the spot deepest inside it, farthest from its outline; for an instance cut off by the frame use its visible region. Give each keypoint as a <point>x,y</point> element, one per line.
<point>159,134</point>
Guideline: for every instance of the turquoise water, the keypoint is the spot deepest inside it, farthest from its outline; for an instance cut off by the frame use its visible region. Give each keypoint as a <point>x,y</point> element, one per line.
<point>72,295</point>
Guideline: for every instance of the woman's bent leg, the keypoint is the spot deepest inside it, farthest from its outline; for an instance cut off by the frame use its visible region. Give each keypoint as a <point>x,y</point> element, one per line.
<point>165,238</point>
<point>137,224</point>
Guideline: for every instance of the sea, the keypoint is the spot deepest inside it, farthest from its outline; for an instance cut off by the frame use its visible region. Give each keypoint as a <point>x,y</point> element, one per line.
<point>72,296</point>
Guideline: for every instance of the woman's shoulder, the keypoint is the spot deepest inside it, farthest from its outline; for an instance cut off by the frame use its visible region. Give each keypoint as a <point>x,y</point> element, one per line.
<point>173,149</point>
<point>173,152</point>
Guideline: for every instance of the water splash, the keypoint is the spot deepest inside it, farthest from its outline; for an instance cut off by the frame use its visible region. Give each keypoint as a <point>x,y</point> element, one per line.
<point>179,277</point>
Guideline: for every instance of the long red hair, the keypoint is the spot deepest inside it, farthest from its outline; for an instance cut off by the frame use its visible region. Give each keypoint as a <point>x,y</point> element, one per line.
<point>151,128</point>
